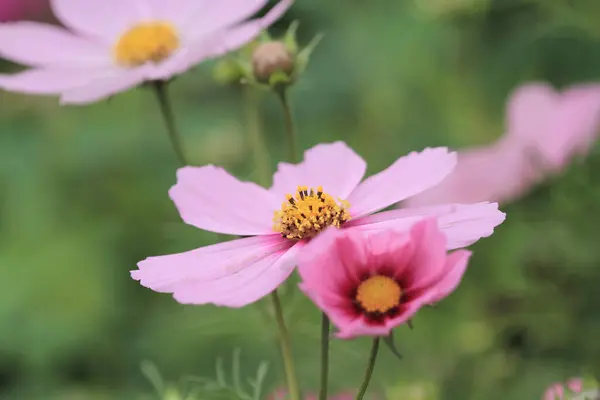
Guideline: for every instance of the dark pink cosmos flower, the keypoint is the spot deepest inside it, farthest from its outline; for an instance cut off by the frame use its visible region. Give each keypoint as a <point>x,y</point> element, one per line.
<point>369,283</point>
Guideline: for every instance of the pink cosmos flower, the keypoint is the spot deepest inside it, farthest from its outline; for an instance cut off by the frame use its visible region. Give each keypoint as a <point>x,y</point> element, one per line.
<point>327,191</point>
<point>113,45</point>
<point>556,391</point>
<point>545,130</point>
<point>369,283</point>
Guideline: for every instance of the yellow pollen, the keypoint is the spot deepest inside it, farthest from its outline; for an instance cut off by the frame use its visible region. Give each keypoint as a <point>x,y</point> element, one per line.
<point>308,212</point>
<point>146,42</point>
<point>378,294</point>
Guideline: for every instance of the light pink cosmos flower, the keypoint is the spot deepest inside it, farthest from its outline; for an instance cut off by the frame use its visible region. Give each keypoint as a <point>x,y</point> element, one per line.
<point>327,191</point>
<point>545,130</point>
<point>556,391</point>
<point>113,45</point>
<point>369,283</point>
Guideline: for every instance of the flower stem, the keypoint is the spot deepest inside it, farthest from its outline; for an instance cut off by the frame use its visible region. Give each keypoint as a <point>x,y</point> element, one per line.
<point>324,356</point>
<point>369,371</point>
<point>160,88</point>
<point>286,349</point>
<point>255,133</point>
<point>290,129</point>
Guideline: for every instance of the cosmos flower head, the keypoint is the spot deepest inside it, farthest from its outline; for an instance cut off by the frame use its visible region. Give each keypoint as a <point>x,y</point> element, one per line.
<point>324,190</point>
<point>545,130</point>
<point>110,46</point>
<point>370,283</point>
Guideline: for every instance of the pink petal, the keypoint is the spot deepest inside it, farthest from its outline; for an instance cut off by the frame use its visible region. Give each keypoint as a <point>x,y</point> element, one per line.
<point>429,255</point>
<point>105,19</point>
<point>102,87</point>
<point>210,44</point>
<point>249,284</point>
<point>37,44</point>
<point>574,125</point>
<point>216,16</point>
<point>463,224</point>
<point>454,269</point>
<point>575,385</point>
<point>529,111</point>
<point>211,199</point>
<point>334,166</point>
<point>172,272</point>
<point>477,177</point>
<point>554,392</point>
<point>408,176</point>
<point>359,327</point>
<point>328,266</point>
<point>182,12</point>
<point>46,81</point>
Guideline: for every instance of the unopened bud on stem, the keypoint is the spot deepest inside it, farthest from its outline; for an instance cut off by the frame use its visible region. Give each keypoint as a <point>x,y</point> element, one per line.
<point>271,57</point>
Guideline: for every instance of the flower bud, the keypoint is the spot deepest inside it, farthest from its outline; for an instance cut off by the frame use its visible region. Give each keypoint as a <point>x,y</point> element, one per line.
<point>269,58</point>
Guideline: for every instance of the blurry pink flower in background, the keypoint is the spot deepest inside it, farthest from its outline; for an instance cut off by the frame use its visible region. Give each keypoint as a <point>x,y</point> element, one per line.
<point>113,45</point>
<point>14,10</point>
<point>556,391</point>
<point>241,271</point>
<point>281,394</point>
<point>368,284</point>
<point>545,130</point>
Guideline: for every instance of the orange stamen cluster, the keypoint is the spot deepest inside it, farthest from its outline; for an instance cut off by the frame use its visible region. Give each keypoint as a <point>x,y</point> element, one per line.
<point>308,212</point>
<point>378,294</point>
<point>146,42</point>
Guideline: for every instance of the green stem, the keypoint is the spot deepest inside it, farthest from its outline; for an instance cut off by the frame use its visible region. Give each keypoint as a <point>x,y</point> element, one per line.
<point>369,371</point>
<point>258,146</point>
<point>160,88</point>
<point>290,129</point>
<point>286,349</point>
<point>324,356</point>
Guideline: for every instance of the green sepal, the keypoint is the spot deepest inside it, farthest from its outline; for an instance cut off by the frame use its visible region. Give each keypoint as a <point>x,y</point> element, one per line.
<point>389,341</point>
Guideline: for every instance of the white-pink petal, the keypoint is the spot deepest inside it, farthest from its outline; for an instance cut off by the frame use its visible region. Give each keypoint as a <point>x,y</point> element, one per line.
<point>103,19</point>
<point>45,81</point>
<point>118,80</point>
<point>244,287</point>
<point>210,198</point>
<point>205,45</point>
<point>463,224</point>
<point>172,272</point>
<point>43,45</point>
<point>335,166</point>
<point>408,176</point>
<point>217,16</point>
<point>181,12</point>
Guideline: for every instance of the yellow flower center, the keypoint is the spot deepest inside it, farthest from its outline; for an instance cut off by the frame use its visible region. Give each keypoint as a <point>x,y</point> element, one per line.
<point>308,212</point>
<point>378,294</point>
<point>146,42</point>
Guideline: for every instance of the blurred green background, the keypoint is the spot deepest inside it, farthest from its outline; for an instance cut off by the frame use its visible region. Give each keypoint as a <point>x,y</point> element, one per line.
<point>83,198</point>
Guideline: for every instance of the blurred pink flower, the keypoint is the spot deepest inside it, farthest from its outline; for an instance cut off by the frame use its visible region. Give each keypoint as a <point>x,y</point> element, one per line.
<point>556,391</point>
<point>114,45</point>
<point>14,10</point>
<point>575,385</point>
<point>281,394</point>
<point>368,284</point>
<point>241,271</point>
<point>545,130</point>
